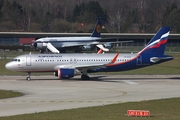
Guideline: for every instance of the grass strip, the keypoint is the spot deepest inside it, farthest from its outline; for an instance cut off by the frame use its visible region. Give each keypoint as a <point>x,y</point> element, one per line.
<point>9,94</point>
<point>163,109</point>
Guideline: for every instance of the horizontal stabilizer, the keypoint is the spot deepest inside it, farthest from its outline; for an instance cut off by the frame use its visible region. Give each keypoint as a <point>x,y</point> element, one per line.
<point>52,48</point>
<point>157,59</point>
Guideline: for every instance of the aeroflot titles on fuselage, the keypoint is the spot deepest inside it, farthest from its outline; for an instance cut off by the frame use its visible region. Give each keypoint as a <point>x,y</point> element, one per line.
<point>58,56</point>
<point>42,58</point>
<point>52,56</point>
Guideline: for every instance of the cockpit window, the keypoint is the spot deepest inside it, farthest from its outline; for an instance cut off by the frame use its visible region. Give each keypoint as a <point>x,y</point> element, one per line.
<point>16,60</point>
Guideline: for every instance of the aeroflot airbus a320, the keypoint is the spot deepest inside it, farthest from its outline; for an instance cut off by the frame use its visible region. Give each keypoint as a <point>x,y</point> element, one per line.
<point>68,65</point>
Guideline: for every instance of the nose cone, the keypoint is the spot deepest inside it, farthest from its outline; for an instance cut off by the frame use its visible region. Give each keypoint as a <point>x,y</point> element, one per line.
<point>35,45</point>
<point>9,66</point>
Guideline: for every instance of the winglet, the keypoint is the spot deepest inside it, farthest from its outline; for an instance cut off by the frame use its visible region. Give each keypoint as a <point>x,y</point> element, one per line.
<point>114,59</point>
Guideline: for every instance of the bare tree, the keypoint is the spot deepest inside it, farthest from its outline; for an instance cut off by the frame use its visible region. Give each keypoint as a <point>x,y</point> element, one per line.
<point>118,19</point>
<point>142,7</point>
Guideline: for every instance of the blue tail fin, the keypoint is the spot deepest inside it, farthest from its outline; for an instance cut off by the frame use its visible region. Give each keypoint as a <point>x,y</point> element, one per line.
<point>97,29</point>
<point>157,44</point>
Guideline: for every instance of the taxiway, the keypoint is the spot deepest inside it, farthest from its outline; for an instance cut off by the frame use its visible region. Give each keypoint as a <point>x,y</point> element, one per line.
<point>47,93</point>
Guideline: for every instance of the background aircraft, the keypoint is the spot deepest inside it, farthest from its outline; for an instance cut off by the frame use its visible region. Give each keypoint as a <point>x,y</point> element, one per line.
<point>60,44</point>
<point>69,65</point>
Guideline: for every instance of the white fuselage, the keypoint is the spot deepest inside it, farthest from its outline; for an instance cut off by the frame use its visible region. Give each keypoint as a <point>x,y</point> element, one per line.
<point>52,62</point>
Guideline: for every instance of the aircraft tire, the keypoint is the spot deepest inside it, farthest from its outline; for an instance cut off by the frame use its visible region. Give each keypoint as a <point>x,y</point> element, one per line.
<point>85,77</point>
<point>28,78</point>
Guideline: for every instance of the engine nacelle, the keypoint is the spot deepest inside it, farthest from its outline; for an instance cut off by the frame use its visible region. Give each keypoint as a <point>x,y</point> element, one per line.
<point>87,47</point>
<point>108,45</point>
<point>64,73</point>
<point>39,45</point>
<point>56,74</point>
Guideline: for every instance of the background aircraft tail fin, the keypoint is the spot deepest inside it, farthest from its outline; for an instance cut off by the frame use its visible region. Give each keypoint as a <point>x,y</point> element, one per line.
<point>157,44</point>
<point>97,29</point>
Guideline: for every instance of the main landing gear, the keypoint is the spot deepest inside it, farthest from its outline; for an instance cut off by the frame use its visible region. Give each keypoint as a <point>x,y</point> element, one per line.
<point>85,77</point>
<point>28,78</point>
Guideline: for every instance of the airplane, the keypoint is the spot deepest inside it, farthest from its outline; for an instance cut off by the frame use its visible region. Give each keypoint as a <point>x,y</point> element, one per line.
<point>66,66</point>
<point>54,44</point>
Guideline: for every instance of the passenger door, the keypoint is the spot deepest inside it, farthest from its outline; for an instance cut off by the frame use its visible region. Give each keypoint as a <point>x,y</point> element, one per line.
<point>28,60</point>
<point>139,60</point>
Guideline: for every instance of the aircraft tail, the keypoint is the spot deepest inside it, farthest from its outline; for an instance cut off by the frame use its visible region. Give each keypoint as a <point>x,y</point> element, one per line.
<point>97,29</point>
<point>157,44</point>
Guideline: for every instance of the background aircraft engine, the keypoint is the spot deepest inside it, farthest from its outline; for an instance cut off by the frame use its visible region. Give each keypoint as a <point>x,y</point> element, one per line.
<point>64,73</point>
<point>87,47</point>
<point>108,45</point>
<point>39,45</point>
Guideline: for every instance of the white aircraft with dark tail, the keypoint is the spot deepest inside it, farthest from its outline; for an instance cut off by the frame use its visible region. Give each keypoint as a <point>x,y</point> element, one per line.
<point>60,44</point>
<point>66,66</point>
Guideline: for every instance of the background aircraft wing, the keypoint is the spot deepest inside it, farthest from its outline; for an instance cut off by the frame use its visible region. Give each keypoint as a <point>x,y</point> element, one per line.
<point>94,43</point>
<point>112,40</point>
<point>73,45</point>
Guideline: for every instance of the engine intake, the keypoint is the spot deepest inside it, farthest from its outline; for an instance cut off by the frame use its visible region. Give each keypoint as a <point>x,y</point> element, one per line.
<point>87,47</point>
<point>108,45</point>
<point>39,45</point>
<point>64,73</point>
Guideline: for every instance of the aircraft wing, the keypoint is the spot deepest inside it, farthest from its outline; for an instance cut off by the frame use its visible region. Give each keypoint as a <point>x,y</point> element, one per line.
<point>81,67</point>
<point>72,45</point>
<point>98,41</point>
<point>85,67</point>
<point>112,40</point>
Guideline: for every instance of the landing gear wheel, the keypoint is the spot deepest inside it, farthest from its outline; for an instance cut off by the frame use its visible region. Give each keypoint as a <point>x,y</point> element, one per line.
<point>28,78</point>
<point>42,51</point>
<point>85,77</point>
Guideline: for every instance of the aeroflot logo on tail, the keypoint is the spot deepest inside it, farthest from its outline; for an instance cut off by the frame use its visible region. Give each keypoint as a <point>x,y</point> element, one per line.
<point>159,42</point>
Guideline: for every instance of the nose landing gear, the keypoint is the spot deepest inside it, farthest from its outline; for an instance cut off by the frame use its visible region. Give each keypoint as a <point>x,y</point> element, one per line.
<point>28,78</point>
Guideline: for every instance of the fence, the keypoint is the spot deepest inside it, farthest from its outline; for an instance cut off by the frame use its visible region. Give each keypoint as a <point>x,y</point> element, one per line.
<point>171,47</point>
<point>123,48</point>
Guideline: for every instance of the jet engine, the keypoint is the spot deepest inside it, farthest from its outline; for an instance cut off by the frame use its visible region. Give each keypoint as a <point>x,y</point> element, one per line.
<point>108,45</point>
<point>39,45</point>
<point>87,47</point>
<point>65,73</point>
